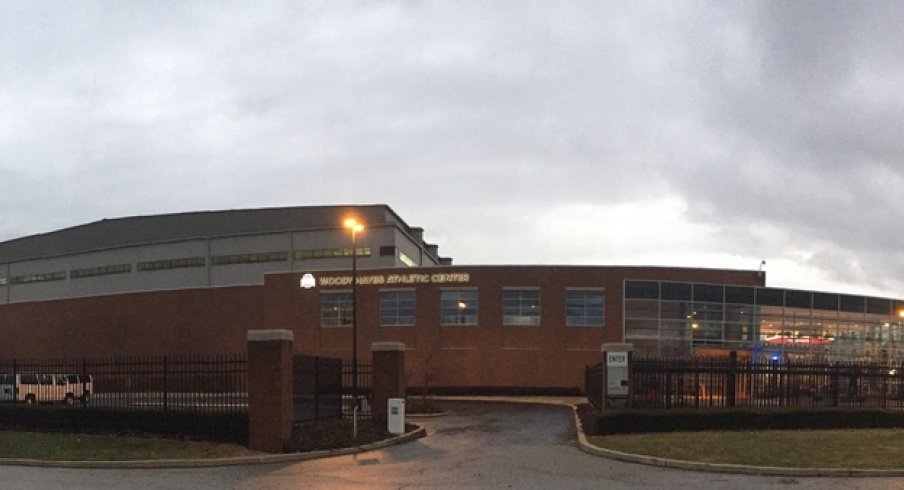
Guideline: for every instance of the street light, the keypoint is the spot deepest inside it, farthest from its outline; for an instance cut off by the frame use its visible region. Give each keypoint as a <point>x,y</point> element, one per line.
<point>355,226</point>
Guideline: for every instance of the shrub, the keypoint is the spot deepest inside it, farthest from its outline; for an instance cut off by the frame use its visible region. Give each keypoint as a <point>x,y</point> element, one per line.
<point>216,427</point>
<point>636,421</point>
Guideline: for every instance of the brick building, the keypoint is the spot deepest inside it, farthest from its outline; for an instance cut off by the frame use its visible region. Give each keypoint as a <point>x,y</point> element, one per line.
<point>196,282</point>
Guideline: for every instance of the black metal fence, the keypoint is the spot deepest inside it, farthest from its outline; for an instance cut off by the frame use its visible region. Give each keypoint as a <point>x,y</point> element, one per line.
<point>317,390</point>
<point>215,384</point>
<point>324,387</point>
<point>365,388</point>
<point>731,382</point>
<point>593,384</point>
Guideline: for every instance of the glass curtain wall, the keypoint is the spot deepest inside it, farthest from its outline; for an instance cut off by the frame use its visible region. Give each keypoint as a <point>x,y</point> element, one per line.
<point>678,318</point>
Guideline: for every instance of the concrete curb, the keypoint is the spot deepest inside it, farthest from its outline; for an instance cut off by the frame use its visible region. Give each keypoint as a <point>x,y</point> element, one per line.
<point>424,415</point>
<point>209,463</point>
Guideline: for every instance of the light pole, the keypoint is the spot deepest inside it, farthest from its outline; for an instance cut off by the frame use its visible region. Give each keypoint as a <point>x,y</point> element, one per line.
<point>355,226</point>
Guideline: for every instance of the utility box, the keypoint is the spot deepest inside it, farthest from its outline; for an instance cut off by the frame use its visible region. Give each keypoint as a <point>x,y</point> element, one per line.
<point>616,385</point>
<point>395,415</point>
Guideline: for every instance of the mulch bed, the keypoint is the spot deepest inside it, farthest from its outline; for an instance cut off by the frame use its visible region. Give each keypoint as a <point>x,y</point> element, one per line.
<point>586,414</point>
<point>336,433</point>
<point>419,406</point>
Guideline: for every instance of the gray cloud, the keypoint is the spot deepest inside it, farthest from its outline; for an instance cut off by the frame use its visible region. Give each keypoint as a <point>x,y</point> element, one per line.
<point>468,118</point>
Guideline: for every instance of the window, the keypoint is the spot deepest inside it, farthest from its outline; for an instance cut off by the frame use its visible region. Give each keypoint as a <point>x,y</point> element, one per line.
<point>770,297</point>
<point>459,307</point>
<point>676,290</point>
<point>337,309</point>
<point>798,299</point>
<point>521,307</point>
<point>397,308</point>
<point>584,308</point>
<point>249,258</point>
<point>642,308</point>
<point>387,251</point>
<point>406,259</point>
<point>2,281</point>
<point>709,292</point>
<point>100,271</point>
<point>876,306</point>
<point>30,278</point>
<point>641,289</point>
<point>329,253</point>
<point>739,295</point>
<point>853,304</point>
<point>155,265</point>
<point>825,301</point>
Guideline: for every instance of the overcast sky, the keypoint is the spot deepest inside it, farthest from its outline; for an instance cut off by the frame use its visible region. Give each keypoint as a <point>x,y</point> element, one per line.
<point>637,133</point>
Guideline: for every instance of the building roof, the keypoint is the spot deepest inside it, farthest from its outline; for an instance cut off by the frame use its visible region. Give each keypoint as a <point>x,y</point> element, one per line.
<point>137,230</point>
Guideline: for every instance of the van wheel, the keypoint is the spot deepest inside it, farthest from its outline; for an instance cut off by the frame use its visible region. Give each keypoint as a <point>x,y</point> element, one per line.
<point>29,399</point>
<point>68,400</point>
<point>84,399</point>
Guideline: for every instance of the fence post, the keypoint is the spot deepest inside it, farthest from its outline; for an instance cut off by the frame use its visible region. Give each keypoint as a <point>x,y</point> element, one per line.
<point>165,387</point>
<point>388,376</point>
<point>269,389</point>
<point>316,387</point>
<point>696,387</point>
<point>731,382</point>
<point>15,389</point>
<point>835,382</point>
<point>84,378</point>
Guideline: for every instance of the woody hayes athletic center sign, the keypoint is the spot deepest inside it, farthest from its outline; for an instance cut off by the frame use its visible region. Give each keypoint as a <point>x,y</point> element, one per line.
<point>388,279</point>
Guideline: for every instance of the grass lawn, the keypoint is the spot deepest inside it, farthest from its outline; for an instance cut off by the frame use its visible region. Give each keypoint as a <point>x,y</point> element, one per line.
<point>86,447</point>
<point>848,448</point>
<point>57,446</point>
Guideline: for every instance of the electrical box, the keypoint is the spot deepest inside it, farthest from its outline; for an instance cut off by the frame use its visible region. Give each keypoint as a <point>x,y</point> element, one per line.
<point>617,374</point>
<point>396,416</point>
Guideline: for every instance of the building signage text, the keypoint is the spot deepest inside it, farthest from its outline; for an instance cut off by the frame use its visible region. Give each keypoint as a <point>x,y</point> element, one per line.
<point>396,279</point>
<point>617,359</point>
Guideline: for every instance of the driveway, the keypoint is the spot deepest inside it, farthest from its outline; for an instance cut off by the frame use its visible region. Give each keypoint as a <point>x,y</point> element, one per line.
<point>477,445</point>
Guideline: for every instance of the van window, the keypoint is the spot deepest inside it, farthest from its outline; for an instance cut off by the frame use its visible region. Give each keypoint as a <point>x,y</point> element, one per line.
<point>7,379</point>
<point>29,379</point>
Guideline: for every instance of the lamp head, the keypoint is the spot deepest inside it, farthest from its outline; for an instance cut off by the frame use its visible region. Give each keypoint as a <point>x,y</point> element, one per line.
<point>353,224</point>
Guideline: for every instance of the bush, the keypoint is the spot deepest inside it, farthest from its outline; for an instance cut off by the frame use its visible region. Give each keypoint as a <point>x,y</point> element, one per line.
<point>636,421</point>
<point>215,427</point>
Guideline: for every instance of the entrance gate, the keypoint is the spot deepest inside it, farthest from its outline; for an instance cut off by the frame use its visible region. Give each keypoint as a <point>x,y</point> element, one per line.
<point>317,388</point>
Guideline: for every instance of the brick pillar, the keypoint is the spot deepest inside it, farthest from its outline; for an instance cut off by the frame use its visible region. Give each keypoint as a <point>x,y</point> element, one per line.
<point>388,375</point>
<point>269,389</point>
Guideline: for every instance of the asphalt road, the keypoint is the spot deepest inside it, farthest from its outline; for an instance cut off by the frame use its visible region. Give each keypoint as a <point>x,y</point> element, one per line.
<point>478,445</point>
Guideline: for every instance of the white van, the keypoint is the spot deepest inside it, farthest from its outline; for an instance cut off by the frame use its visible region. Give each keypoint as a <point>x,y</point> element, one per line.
<point>81,386</point>
<point>32,388</point>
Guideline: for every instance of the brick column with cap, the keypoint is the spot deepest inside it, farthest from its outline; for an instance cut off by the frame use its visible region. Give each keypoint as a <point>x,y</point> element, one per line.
<point>388,375</point>
<point>269,389</point>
